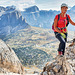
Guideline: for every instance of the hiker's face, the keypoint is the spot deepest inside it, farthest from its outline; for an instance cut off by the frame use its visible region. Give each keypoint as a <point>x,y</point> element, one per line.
<point>64,9</point>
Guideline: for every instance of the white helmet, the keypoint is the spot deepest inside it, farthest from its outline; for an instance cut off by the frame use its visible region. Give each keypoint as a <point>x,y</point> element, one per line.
<point>63,4</point>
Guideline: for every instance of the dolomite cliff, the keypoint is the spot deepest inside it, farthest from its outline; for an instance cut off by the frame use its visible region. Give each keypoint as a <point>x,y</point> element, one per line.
<point>62,65</point>
<point>9,62</point>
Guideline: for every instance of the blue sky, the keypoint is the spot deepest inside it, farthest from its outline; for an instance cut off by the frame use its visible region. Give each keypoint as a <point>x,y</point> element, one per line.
<point>42,4</point>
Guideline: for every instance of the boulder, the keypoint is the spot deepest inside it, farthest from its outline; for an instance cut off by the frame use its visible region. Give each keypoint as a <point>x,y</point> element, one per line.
<point>62,65</point>
<point>9,61</point>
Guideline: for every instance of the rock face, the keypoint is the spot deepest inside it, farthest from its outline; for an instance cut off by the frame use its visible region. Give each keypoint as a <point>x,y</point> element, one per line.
<point>62,65</point>
<point>11,21</point>
<point>39,18</point>
<point>9,62</point>
<point>32,9</point>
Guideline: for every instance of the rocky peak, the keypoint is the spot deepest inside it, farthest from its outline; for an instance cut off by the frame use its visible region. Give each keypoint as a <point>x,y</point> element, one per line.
<point>2,8</point>
<point>9,62</point>
<point>11,7</point>
<point>62,65</point>
<point>11,21</point>
<point>32,9</point>
<point>73,8</point>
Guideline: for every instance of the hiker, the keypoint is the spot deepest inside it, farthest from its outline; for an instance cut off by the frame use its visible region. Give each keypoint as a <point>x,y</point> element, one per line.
<point>60,28</point>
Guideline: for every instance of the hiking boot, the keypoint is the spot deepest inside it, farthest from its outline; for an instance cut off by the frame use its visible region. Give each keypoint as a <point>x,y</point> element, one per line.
<point>60,53</point>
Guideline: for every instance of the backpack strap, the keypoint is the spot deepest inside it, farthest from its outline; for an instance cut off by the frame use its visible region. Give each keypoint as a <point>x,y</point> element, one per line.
<point>67,19</point>
<point>58,17</point>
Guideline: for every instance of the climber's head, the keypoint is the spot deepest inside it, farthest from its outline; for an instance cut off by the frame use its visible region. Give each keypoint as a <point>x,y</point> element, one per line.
<point>64,8</point>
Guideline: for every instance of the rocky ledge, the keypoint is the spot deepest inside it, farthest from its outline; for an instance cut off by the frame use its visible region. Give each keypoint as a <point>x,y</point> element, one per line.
<point>9,62</point>
<point>62,65</point>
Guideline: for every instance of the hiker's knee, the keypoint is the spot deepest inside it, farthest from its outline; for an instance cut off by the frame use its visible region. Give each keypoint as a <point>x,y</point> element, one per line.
<point>63,42</point>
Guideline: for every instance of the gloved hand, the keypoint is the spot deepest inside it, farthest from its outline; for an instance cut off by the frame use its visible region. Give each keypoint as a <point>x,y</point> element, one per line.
<point>63,35</point>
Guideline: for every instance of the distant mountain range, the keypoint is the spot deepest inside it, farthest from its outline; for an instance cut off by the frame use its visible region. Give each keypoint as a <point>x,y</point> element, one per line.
<point>44,18</point>
<point>11,21</point>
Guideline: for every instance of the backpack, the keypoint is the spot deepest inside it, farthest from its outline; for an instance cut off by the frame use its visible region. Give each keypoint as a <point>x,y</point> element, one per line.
<point>58,20</point>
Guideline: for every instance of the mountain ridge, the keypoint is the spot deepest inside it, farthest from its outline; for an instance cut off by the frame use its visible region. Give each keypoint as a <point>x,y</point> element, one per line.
<point>11,21</point>
<point>45,18</point>
<point>32,9</point>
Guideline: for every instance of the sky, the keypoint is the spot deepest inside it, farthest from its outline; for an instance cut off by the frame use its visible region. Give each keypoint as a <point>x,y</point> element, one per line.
<point>42,4</point>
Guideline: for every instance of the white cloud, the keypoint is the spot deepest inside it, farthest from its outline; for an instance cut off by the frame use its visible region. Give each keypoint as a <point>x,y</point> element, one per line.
<point>44,4</point>
<point>24,3</point>
<point>20,4</point>
<point>53,4</point>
